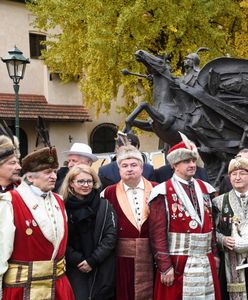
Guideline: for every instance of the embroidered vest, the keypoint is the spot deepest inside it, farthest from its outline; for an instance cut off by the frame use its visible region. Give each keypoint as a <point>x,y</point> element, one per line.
<point>180,219</point>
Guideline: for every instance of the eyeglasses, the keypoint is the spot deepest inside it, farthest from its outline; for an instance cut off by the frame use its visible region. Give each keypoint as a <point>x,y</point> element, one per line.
<point>84,182</point>
<point>236,174</point>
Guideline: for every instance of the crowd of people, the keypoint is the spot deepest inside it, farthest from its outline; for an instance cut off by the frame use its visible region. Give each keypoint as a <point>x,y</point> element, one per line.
<point>127,233</point>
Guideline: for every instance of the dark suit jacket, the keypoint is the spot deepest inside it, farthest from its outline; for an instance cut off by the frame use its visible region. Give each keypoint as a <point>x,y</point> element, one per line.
<point>61,173</point>
<point>109,174</point>
<point>164,173</point>
<point>225,185</point>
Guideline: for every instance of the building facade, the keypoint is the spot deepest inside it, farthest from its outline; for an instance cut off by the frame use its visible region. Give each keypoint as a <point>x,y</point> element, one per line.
<point>43,94</point>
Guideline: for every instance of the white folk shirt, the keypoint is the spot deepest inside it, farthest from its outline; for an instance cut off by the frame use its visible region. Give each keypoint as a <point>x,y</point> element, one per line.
<point>243,202</point>
<point>47,206</point>
<point>46,213</point>
<point>135,197</point>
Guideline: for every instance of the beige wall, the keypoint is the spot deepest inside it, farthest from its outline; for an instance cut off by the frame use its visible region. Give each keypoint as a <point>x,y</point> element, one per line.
<point>14,30</point>
<point>59,92</point>
<point>59,136</point>
<point>15,25</point>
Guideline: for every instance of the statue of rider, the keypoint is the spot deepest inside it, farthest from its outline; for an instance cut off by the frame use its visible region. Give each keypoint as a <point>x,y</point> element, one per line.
<point>191,68</point>
<point>191,65</point>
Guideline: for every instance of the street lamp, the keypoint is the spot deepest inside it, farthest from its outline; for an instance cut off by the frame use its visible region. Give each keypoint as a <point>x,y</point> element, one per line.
<point>16,65</point>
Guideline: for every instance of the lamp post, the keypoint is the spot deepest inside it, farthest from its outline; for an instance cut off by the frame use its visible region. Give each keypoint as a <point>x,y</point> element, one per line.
<point>16,65</point>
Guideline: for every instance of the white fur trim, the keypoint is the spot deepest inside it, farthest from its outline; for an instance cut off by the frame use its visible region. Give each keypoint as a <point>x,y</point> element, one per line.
<point>129,155</point>
<point>180,154</point>
<point>209,187</point>
<point>157,190</point>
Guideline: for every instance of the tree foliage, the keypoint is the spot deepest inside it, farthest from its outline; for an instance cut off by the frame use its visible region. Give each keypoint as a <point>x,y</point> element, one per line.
<point>98,39</point>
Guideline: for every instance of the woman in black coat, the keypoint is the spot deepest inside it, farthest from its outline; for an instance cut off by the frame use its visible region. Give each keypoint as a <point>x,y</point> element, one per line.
<point>92,235</point>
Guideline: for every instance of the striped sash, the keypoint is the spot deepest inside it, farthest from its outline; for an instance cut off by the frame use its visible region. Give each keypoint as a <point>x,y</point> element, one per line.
<point>197,278</point>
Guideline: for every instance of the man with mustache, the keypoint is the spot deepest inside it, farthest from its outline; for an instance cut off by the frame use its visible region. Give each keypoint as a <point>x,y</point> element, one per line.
<point>33,234</point>
<point>9,165</point>
<point>181,231</point>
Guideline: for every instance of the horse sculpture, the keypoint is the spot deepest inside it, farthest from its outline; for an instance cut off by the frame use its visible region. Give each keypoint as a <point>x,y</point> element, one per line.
<point>213,113</point>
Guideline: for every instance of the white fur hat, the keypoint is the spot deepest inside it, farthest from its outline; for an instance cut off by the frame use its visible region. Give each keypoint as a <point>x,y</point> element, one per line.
<point>128,152</point>
<point>238,163</point>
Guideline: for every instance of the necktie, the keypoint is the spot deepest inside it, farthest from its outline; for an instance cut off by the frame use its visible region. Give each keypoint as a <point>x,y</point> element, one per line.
<point>193,197</point>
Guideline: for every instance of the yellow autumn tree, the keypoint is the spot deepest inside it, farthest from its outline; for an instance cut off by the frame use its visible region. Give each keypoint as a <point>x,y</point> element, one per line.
<point>240,39</point>
<point>98,39</point>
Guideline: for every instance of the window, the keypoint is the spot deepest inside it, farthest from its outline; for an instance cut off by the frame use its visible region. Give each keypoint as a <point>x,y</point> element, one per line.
<point>35,44</point>
<point>102,138</point>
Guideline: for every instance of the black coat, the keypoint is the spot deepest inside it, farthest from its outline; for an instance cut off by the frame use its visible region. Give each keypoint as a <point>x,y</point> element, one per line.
<point>61,173</point>
<point>164,173</point>
<point>109,174</point>
<point>96,245</point>
<point>225,185</point>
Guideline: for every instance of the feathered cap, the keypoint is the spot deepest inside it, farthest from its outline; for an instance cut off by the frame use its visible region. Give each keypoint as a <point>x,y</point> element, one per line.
<point>39,160</point>
<point>183,151</point>
<point>238,163</point>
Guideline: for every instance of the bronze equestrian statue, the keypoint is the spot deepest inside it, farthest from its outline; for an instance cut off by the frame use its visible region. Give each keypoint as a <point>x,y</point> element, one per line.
<point>211,107</point>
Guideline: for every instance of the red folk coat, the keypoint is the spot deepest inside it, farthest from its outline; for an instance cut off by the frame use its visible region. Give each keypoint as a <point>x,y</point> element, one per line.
<point>35,247</point>
<point>125,265</point>
<point>162,220</point>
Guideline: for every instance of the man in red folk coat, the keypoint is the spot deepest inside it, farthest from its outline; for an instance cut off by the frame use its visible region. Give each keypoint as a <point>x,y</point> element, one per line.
<point>33,234</point>
<point>181,234</point>
<point>129,198</point>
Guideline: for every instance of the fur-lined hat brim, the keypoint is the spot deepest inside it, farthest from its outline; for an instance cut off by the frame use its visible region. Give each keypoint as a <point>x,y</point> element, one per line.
<point>128,152</point>
<point>7,148</point>
<point>238,163</point>
<point>39,160</point>
<point>181,152</point>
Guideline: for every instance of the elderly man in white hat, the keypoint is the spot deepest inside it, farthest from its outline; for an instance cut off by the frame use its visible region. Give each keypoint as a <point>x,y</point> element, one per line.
<point>181,231</point>
<point>9,164</point>
<point>79,153</point>
<point>232,230</point>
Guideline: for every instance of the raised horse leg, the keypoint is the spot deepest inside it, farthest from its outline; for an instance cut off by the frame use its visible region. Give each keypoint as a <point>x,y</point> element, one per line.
<point>145,125</point>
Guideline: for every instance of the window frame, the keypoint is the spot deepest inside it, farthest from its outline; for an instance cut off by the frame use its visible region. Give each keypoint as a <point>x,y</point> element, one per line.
<point>35,46</point>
